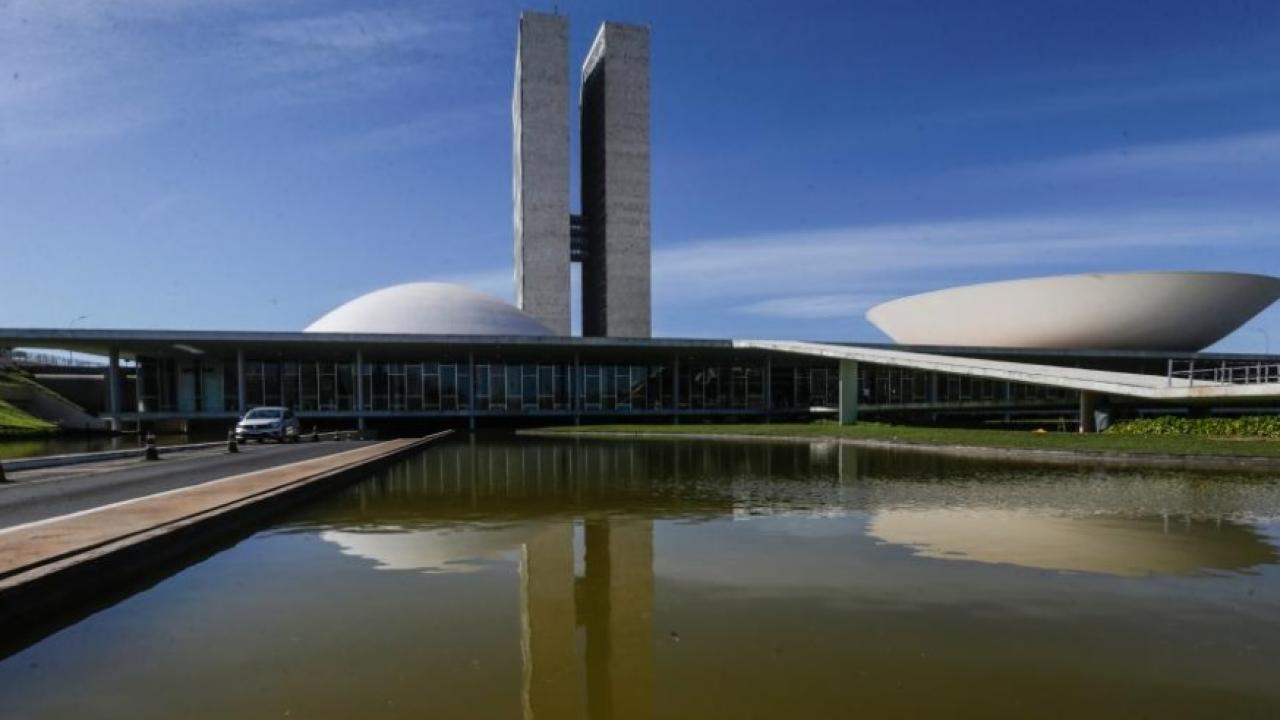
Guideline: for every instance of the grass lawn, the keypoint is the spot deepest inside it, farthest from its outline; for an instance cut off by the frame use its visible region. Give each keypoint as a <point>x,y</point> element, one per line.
<point>16,422</point>
<point>1095,443</point>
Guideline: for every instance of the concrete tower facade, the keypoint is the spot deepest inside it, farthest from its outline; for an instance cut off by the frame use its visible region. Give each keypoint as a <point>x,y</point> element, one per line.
<point>611,236</point>
<point>540,168</point>
<point>614,105</point>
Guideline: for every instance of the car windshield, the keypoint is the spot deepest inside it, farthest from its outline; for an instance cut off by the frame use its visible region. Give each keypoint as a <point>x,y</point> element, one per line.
<point>263,414</point>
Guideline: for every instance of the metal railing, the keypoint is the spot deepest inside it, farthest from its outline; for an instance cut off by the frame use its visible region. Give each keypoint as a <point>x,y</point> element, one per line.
<point>53,359</point>
<point>1224,372</point>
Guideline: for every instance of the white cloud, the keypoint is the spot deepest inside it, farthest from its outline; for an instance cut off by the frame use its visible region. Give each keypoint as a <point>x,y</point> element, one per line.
<point>1097,96</point>
<point>57,129</point>
<point>363,43</point>
<point>357,30</point>
<point>55,67</point>
<point>808,307</point>
<point>76,71</point>
<point>166,205</point>
<point>890,259</point>
<point>840,272</point>
<point>427,129</point>
<point>1232,152</point>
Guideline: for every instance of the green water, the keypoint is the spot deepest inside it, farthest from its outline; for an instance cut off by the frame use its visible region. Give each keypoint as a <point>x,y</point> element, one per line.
<point>612,579</point>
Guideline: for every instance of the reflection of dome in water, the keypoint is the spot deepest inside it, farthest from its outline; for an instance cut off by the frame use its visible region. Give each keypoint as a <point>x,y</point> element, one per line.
<point>428,308</point>
<point>441,550</point>
<point>1101,544</point>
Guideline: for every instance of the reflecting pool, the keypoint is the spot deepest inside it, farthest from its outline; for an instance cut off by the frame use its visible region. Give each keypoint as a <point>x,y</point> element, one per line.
<point>501,577</point>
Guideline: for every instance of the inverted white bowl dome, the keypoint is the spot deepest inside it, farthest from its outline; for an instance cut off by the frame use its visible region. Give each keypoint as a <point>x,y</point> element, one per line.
<point>1178,311</point>
<point>428,308</point>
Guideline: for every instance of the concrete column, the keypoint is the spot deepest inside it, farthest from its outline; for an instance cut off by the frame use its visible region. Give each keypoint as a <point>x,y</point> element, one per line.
<point>113,389</point>
<point>675,393</point>
<point>768,388</point>
<point>360,389</point>
<point>848,392</point>
<point>471,391</point>
<point>139,404</point>
<point>575,387</point>
<point>240,387</point>
<point>1088,403</point>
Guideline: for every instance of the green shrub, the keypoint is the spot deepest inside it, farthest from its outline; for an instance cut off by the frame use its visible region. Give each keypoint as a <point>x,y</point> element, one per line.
<point>1249,426</point>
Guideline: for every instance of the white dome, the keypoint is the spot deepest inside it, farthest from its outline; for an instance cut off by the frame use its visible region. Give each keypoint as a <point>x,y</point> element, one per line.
<point>428,308</point>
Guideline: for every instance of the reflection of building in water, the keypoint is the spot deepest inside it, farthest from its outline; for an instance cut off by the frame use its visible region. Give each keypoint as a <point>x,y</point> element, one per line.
<point>613,601</point>
<point>1106,522</point>
<point>611,675</point>
<point>1109,544</point>
<point>617,589</point>
<point>587,633</point>
<point>428,550</point>
<point>549,622</point>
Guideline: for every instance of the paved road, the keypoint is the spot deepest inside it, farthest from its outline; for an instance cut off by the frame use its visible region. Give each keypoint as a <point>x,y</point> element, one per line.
<point>23,502</point>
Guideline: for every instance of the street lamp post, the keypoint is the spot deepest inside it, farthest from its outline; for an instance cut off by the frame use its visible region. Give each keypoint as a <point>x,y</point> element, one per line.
<point>70,354</point>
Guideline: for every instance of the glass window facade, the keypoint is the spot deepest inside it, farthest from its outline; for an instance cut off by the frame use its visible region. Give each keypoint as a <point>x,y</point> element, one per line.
<point>805,387</point>
<point>510,386</point>
<point>885,386</point>
<point>485,385</point>
<point>306,386</point>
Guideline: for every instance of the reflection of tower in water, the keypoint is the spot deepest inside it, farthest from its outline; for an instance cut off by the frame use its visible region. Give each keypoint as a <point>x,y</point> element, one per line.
<point>586,601</point>
<point>586,620</point>
<point>548,625</point>
<point>613,602</point>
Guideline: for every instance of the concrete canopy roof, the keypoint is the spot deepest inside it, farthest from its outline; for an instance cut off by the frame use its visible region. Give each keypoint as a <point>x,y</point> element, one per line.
<point>223,342</point>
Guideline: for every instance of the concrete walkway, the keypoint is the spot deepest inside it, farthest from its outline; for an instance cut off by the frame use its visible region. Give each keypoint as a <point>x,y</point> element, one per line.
<point>70,559</point>
<point>29,544</point>
<point>48,492</point>
<point>1151,387</point>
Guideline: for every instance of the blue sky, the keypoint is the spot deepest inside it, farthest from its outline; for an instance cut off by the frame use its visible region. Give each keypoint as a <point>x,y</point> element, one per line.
<point>235,164</point>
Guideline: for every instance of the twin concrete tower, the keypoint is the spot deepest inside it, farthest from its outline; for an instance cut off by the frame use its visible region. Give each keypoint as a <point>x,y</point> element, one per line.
<point>611,236</point>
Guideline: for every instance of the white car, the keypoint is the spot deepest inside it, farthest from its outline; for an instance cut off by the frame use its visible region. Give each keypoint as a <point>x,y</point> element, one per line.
<point>276,423</point>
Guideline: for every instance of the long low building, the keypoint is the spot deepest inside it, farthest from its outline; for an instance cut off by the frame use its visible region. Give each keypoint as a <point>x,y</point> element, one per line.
<point>358,379</point>
<point>431,353</point>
